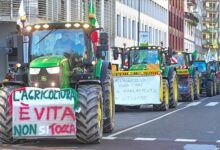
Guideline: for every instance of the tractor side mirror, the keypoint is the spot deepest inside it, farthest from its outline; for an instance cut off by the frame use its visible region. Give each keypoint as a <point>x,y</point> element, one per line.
<point>170,52</point>
<point>115,54</point>
<point>103,41</point>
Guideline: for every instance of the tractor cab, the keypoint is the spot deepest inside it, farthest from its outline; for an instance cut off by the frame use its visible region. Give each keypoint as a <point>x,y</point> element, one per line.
<point>59,54</point>
<point>142,58</point>
<point>201,65</point>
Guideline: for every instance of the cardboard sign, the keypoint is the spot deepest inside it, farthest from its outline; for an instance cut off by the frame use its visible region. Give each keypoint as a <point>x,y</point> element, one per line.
<point>137,90</point>
<point>43,113</point>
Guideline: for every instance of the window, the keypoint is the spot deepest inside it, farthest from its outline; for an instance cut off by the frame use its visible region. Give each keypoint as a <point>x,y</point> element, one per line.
<point>129,28</point>
<point>118,25</point>
<point>124,27</point>
<point>133,30</point>
<point>150,34</point>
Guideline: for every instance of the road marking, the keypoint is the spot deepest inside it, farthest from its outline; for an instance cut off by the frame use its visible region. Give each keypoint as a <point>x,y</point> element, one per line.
<point>212,104</point>
<point>109,138</point>
<point>152,120</point>
<point>194,104</point>
<point>218,141</point>
<point>179,103</point>
<point>145,139</point>
<point>185,140</point>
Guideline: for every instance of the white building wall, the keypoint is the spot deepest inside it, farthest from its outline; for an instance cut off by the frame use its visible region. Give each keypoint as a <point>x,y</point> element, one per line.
<point>155,22</point>
<point>189,30</point>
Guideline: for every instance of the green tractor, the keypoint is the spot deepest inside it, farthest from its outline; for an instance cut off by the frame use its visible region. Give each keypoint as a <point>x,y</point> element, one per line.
<point>64,87</point>
<point>209,77</point>
<point>145,77</point>
<point>188,77</point>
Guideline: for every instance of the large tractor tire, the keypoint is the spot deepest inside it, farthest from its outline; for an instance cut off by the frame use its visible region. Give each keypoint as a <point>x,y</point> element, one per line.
<point>109,103</point>
<point>89,121</point>
<point>209,89</point>
<point>5,117</point>
<point>189,97</point>
<point>218,89</point>
<point>196,85</point>
<point>164,106</point>
<point>214,87</point>
<point>173,97</point>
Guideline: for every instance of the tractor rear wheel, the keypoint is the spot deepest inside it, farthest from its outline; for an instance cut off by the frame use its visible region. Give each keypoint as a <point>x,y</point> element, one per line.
<point>89,121</point>
<point>173,84</point>
<point>190,95</point>
<point>209,89</point>
<point>196,86</point>
<point>5,117</point>
<point>164,106</point>
<point>109,103</point>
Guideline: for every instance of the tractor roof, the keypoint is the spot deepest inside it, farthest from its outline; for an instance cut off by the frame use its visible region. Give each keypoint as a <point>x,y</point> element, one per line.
<point>60,25</point>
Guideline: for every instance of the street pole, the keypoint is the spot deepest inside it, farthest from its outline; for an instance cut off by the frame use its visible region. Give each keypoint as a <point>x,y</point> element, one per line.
<point>139,20</point>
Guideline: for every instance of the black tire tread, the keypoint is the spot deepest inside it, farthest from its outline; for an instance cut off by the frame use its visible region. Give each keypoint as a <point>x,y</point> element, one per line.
<point>87,118</point>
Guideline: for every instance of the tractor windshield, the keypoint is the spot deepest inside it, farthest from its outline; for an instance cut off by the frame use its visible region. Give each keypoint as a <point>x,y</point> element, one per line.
<point>58,42</point>
<point>200,65</point>
<point>180,59</point>
<point>144,57</point>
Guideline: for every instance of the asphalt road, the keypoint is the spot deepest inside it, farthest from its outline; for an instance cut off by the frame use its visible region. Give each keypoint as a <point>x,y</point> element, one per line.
<point>191,126</point>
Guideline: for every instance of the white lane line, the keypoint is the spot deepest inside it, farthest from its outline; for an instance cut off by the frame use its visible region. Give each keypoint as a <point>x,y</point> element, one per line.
<point>194,104</point>
<point>212,104</point>
<point>218,141</point>
<point>185,140</point>
<point>109,138</point>
<point>145,139</point>
<point>152,120</point>
<point>179,103</point>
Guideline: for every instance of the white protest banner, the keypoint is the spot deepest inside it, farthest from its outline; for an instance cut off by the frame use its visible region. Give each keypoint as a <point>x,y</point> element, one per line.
<point>136,90</point>
<point>43,113</point>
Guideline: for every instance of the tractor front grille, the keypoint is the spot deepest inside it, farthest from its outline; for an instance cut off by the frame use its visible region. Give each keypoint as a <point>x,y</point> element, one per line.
<point>45,80</point>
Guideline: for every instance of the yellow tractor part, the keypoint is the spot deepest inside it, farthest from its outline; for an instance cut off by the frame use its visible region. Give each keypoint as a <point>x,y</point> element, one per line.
<point>175,89</point>
<point>131,73</point>
<point>153,67</point>
<point>182,72</point>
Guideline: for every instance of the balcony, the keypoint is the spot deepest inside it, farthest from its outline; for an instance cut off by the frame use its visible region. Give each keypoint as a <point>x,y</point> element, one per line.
<point>191,18</point>
<point>210,19</point>
<point>210,0</point>
<point>214,9</point>
<point>191,2</point>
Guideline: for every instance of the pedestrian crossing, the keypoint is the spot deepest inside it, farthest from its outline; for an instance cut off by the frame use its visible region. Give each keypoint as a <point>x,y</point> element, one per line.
<point>209,104</point>
<point>212,104</point>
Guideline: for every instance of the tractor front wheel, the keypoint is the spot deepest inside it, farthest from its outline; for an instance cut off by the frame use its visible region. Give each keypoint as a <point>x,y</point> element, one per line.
<point>209,89</point>
<point>164,106</point>
<point>190,94</point>
<point>173,84</point>
<point>89,121</point>
<point>196,86</point>
<point>109,103</point>
<point>5,116</point>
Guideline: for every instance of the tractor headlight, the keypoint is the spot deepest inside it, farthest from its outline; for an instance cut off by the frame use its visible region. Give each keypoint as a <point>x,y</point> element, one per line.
<point>34,71</point>
<point>53,70</point>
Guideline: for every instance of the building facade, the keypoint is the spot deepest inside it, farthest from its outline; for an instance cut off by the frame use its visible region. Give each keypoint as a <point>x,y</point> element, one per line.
<point>49,10</point>
<point>211,25</point>
<point>176,24</point>
<point>190,23</point>
<point>198,30</point>
<point>153,20</point>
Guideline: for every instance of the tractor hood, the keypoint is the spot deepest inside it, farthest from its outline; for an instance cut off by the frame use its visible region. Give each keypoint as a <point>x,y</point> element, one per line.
<point>144,67</point>
<point>47,61</point>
